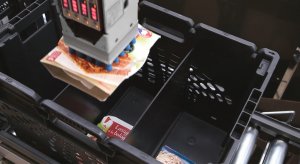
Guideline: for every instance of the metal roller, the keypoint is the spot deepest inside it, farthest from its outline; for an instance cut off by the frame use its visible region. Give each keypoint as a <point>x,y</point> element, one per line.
<point>247,146</point>
<point>275,152</point>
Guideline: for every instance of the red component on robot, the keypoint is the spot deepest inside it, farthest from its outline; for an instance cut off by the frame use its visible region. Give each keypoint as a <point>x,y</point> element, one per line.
<point>94,14</point>
<point>65,4</point>
<point>84,8</point>
<point>75,6</point>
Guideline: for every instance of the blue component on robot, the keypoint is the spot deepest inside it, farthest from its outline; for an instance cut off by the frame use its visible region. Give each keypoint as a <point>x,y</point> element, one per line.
<point>108,67</point>
<point>122,54</point>
<point>133,41</point>
<point>128,48</point>
<point>117,60</point>
<point>91,60</point>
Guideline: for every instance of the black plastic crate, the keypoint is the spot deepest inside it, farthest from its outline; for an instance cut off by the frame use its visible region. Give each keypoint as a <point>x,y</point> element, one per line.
<point>20,107</point>
<point>10,144</point>
<point>28,36</point>
<point>203,110</point>
<point>64,133</point>
<point>236,87</point>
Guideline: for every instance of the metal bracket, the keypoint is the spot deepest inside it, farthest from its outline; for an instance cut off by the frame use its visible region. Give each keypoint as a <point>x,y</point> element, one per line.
<point>290,113</point>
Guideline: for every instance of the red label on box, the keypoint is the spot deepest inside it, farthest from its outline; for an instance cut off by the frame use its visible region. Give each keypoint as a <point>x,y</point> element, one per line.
<point>114,127</point>
<point>55,54</point>
<point>118,131</point>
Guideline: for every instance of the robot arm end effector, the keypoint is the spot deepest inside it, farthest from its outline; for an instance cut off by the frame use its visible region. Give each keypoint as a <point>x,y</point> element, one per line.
<point>99,30</point>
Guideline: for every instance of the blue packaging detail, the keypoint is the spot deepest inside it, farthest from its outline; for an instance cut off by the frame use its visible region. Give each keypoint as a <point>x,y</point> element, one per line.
<point>166,155</point>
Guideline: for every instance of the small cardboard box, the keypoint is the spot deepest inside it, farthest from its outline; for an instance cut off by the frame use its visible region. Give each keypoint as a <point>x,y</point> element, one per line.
<point>85,84</point>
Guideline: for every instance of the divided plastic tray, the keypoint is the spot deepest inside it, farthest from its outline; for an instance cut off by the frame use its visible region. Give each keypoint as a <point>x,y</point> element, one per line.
<point>204,108</point>
<point>197,102</point>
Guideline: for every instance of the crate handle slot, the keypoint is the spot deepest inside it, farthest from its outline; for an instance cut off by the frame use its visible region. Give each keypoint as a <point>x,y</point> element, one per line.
<point>83,126</point>
<point>165,22</point>
<point>65,115</point>
<point>71,131</point>
<point>20,87</point>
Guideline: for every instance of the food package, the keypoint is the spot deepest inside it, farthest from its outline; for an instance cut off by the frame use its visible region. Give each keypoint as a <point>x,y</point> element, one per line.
<point>168,155</point>
<point>96,80</point>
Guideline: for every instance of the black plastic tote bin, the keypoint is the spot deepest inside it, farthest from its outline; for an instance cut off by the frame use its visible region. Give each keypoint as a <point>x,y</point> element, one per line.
<point>23,116</point>
<point>24,40</point>
<point>174,118</point>
<point>204,108</point>
<point>61,134</point>
<point>209,100</point>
